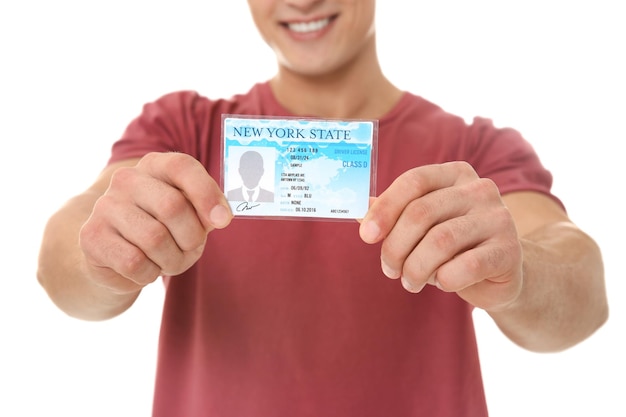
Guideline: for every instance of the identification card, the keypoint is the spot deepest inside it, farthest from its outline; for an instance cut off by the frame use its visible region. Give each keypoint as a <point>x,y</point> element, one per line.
<point>297,168</point>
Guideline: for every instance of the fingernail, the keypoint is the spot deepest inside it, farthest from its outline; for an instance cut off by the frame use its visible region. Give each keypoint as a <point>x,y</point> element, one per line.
<point>389,272</point>
<point>407,286</point>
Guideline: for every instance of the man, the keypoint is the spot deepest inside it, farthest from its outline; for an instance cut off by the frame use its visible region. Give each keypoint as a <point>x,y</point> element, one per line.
<point>251,171</point>
<point>291,318</point>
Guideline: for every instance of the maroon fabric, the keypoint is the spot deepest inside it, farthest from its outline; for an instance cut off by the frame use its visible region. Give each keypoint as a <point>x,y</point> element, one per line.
<point>295,318</point>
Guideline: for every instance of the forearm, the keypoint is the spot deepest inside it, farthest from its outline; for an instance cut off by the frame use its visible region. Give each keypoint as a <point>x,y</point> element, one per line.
<point>563,298</point>
<point>63,272</point>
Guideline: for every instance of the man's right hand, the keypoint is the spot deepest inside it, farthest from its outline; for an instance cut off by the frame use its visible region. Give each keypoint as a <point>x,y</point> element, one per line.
<point>152,220</point>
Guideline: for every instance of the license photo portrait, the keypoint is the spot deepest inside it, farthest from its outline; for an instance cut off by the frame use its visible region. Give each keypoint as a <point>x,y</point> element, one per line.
<point>250,174</point>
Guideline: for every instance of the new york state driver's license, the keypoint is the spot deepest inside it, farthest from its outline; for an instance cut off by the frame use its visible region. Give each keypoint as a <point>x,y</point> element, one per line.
<point>298,168</point>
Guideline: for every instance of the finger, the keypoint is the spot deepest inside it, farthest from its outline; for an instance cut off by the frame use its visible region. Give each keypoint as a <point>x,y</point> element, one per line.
<point>111,280</point>
<point>188,175</point>
<point>488,224</point>
<point>113,256</point>
<point>488,276</point>
<point>436,207</point>
<point>494,258</point>
<point>156,209</point>
<point>418,217</point>
<point>464,251</point>
<point>488,262</point>
<point>415,183</point>
<point>441,244</point>
<point>156,240</point>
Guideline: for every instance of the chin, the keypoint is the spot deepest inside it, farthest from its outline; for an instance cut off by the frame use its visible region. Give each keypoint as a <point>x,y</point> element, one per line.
<point>310,69</point>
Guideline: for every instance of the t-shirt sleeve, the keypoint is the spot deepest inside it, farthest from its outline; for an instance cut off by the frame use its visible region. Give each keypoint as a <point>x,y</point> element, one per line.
<point>165,125</point>
<point>506,157</point>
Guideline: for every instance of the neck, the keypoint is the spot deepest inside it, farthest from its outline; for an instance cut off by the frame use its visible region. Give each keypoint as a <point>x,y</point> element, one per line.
<point>358,90</point>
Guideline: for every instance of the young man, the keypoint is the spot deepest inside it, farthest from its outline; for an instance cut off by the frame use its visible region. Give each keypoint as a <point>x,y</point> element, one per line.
<point>304,323</point>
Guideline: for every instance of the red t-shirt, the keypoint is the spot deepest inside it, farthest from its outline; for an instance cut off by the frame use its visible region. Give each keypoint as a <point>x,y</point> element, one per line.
<point>295,318</point>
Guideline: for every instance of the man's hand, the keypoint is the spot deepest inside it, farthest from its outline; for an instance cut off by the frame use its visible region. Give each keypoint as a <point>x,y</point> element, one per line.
<point>152,220</point>
<point>443,225</point>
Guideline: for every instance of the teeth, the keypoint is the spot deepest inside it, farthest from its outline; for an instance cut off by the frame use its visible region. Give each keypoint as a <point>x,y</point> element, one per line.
<point>309,26</point>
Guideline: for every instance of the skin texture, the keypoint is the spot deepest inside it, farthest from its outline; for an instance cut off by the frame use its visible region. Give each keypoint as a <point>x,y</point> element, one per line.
<point>517,256</point>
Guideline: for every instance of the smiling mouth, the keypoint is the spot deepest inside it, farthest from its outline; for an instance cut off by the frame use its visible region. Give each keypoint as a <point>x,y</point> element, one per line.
<point>308,27</point>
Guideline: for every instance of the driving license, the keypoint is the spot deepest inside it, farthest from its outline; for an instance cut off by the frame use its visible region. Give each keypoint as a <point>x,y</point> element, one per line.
<point>298,168</point>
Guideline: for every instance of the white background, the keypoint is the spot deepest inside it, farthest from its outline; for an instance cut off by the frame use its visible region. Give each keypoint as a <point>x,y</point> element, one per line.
<point>74,73</point>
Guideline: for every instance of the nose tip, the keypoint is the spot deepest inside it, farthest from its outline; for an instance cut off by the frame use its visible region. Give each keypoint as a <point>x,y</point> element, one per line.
<point>304,5</point>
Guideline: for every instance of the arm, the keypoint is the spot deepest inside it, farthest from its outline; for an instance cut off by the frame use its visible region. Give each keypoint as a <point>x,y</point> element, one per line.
<point>563,297</point>
<point>139,220</point>
<point>519,257</point>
